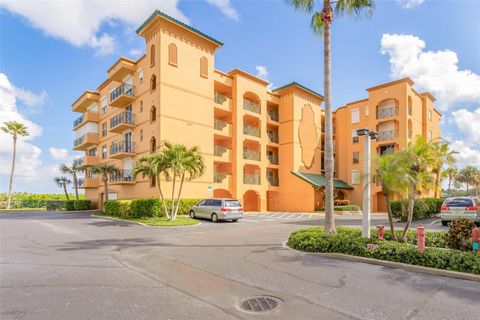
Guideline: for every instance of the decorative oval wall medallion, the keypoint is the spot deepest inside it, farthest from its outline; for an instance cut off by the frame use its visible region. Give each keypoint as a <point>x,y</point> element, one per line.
<point>308,135</point>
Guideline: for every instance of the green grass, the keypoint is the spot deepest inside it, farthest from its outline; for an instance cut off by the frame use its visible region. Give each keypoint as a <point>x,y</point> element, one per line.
<point>22,209</point>
<point>159,222</point>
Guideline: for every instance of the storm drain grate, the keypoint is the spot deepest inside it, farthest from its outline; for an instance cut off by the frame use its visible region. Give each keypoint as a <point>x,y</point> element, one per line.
<point>260,304</point>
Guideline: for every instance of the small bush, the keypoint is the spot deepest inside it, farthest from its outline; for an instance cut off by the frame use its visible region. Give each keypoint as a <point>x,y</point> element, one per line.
<point>117,208</point>
<point>82,204</point>
<point>343,202</point>
<point>69,205</point>
<point>351,207</point>
<point>144,208</point>
<point>423,208</point>
<point>30,200</point>
<point>459,234</point>
<point>53,205</point>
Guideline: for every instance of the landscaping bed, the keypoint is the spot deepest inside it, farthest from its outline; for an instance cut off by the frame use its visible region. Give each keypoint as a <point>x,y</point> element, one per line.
<point>349,241</point>
<point>182,220</point>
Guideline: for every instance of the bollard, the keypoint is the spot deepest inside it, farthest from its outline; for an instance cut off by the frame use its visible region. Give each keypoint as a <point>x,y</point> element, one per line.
<point>380,232</point>
<point>475,239</point>
<point>421,238</point>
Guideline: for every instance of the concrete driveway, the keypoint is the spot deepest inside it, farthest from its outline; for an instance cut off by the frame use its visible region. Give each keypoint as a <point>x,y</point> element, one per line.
<point>74,266</point>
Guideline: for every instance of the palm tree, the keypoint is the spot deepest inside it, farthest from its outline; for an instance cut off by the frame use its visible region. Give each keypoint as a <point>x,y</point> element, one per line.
<point>321,23</point>
<point>467,176</point>
<point>183,163</point>
<point>15,129</point>
<point>62,183</point>
<point>73,171</point>
<point>390,172</point>
<point>451,173</point>
<point>476,181</point>
<point>104,170</point>
<point>442,156</point>
<point>153,166</point>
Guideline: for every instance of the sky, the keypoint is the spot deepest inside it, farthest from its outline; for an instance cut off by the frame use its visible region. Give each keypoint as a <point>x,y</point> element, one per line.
<point>52,51</point>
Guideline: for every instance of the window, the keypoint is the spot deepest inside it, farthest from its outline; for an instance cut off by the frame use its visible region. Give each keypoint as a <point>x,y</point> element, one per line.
<point>152,55</point>
<point>355,116</point>
<point>429,115</point>
<point>389,148</point>
<point>104,152</point>
<point>92,152</point>
<point>141,135</point>
<point>141,106</point>
<point>104,105</point>
<point>203,67</point>
<point>140,75</point>
<point>355,177</point>
<point>172,54</point>
<point>366,111</point>
<point>356,157</point>
<point>430,135</point>
<point>410,106</point>
<point>153,145</point>
<point>104,129</point>
<point>153,114</point>
<point>153,182</point>
<point>153,83</point>
<point>355,137</point>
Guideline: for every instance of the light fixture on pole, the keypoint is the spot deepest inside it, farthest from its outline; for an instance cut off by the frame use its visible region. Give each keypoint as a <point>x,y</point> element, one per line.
<point>366,180</point>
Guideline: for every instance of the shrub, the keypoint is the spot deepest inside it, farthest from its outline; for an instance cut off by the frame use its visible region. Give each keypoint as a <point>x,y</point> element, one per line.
<point>432,238</point>
<point>82,204</point>
<point>53,205</point>
<point>117,208</point>
<point>351,207</point>
<point>140,208</point>
<point>341,202</point>
<point>459,234</point>
<point>423,208</point>
<point>69,205</point>
<point>30,200</point>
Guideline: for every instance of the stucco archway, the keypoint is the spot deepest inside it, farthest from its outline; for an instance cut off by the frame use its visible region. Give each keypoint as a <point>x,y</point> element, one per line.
<point>251,201</point>
<point>221,193</point>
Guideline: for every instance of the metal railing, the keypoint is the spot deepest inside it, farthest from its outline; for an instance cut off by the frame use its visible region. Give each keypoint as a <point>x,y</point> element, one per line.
<point>273,114</point>
<point>251,155</point>
<point>81,139</point>
<point>219,176</point>
<point>78,162</point>
<point>251,131</point>
<point>273,136</point>
<point>79,120</point>
<point>273,181</point>
<point>272,158</point>
<point>219,150</point>
<point>387,135</point>
<point>220,98</point>
<point>92,152</point>
<point>251,178</point>
<point>387,112</point>
<point>122,175</point>
<point>126,117</point>
<point>123,146</point>
<point>251,106</point>
<point>123,89</point>
<point>219,124</point>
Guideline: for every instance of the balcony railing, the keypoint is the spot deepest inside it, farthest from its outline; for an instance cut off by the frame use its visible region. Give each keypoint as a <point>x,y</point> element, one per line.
<point>387,135</point>
<point>251,155</point>
<point>219,124</point>
<point>78,120</point>
<point>126,117</point>
<point>219,176</point>
<point>251,178</point>
<point>121,176</point>
<point>92,152</point>
<point>82,138</point>
<point>251,106</point>
<point>123,146</point>
<point>273,181</point>
<point>219,98</point>
<point>123,89</point>
<point>273,158</point>
<point>387,112</point>
<point>273,114</point>
<point>78,162</point>
<point>273,136</point>
<point>251,131</point>
<point>219,150</point>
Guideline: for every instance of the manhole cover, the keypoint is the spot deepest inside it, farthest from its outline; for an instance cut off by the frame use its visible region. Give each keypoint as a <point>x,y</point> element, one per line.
<point>260,304</point>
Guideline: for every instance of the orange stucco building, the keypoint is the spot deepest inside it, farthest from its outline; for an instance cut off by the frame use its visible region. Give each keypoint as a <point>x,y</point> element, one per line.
<point>261,146</point>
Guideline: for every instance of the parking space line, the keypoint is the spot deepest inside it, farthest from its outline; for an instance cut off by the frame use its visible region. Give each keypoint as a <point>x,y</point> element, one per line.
<point>249,220</point>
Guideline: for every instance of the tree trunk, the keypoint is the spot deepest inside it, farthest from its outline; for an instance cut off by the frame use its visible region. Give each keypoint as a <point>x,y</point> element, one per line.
<point>10,186</point>
<point>105,188</point>
<point>437,183</point>
<point>179,193</point>
<point>466,192</point>
<point>75,184</point>
<point>162,198</point>
<point>329,205</point>
<point>449,185</point>
<point>173,198</point>
<point>390,217</point>
<point>411,203</point>
<point>65,190</point>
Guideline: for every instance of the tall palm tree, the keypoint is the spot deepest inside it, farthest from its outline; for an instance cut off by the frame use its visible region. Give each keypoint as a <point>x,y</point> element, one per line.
<point>15,129</point>
<point>185,164</point>
<point>153,166</point>
<point>73,171</point>
<point>62,182</point>
<point>442,156</point>
<point>451,173</point>
<point>467,175</point>
<point>104,170</point>
<point>476,181</point>
<point>390,172</point>
<point>321,23</point>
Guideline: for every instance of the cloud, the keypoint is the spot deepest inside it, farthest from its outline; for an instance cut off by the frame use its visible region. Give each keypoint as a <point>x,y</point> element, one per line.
<point>79,22</point>
<point>32,100</point>
<point>409,4</point>
<point>466,155</point>
<point>135,53</point>
<point>467,122</point>
<point>59,154</point>
<point>225,6</point>
<point>262,72</point>
<point>433,71</point>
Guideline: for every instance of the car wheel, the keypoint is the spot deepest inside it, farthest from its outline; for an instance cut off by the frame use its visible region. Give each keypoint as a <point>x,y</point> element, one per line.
<point>214,217</point>
<point>234,220</point>
<point>192,214</point>
<point>444,223</point>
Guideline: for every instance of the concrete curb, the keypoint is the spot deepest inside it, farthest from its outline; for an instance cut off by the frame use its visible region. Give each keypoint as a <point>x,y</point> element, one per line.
<point>141,223</point>
<point>391,264</point>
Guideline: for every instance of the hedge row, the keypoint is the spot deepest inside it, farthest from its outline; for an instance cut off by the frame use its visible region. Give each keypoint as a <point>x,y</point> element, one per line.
<point>30,200</point>
<point>423,208</point>
<point>144,208</point>
<point>68,205</point>
<point>349,242</point>
<point>351,207</point>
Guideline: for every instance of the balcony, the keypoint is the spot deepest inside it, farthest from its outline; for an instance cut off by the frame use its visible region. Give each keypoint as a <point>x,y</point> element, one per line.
<point>86,141</point>
<point>222,102</point>
<point>122,177</point>
<point>122,149</point>
<point>273,181</point>
<point>85,101</point>
<point>251,179</point>
<point>88,182</point>
<point>221,180</point>
<point>88,116</point>
<point>273,159</point>
<point>90,160</point>
<point>222,127</point>
<point>222,154</point>
<point>251,155</point>
<point>251,106</point>
<point>387,113</point>
<point>387,135</point>
<point>122,68</point>
<point>273,115</point>
<point>251,131</point>
<point>122,96</point>
<point>122,122</point>
<point>273,137</point>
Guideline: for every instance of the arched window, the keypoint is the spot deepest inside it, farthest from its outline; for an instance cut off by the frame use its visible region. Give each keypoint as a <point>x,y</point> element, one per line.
<point>410,106</point>
<point>153,83</point>
<point>204,67</point>
<point>153,114</point>
<point>152,55</point>
<point>153,145</point>
<point>172,54</point>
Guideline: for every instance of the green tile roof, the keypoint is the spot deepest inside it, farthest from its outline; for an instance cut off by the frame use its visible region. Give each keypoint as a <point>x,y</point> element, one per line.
<point>298,85</point>
<point>161,14</point>
<point>318,180</point>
